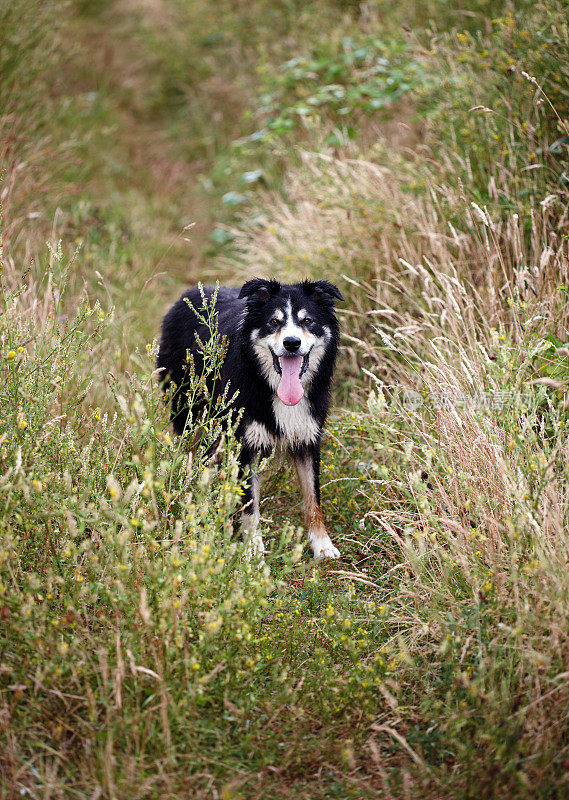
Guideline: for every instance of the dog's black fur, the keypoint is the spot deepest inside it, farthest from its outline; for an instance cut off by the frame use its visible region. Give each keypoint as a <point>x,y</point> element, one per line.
<point>247,318</point>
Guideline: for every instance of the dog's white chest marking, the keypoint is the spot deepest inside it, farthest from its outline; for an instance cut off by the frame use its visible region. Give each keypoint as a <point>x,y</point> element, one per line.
<point>295,423</point>
<point>258,437</point>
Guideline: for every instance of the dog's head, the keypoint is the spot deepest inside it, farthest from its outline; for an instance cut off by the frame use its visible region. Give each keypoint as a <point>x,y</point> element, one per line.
<point>290,328</point>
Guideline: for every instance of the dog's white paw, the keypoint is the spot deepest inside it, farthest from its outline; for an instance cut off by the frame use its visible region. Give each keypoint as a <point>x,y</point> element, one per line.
<point>323,548</point>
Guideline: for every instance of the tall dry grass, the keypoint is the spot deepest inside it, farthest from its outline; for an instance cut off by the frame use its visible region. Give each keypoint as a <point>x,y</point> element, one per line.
<point>457,322</point>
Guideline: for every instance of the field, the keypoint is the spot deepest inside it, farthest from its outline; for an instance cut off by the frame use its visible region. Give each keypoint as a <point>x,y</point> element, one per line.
<point>416,156</point>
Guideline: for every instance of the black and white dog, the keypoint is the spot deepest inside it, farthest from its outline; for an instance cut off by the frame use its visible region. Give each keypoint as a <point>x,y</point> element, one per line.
<point>282,343</point>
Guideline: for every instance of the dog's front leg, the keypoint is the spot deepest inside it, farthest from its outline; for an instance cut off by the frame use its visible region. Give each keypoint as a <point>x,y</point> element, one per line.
<point>307,463</point>
<point>250,514</point>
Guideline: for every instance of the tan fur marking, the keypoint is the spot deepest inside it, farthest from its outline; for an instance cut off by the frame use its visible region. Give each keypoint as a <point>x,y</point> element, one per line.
<point>312,511</point>
<point>318,538</point>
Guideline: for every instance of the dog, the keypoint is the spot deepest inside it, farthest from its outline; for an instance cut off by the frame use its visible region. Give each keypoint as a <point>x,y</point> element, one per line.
<point>281,342</point>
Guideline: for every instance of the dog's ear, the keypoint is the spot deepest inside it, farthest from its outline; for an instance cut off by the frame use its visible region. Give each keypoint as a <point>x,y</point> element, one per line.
<point>259,289</point>
<point>322,290</point>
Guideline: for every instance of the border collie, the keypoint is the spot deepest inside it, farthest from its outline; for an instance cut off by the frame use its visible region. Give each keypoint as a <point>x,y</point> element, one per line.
<point>281,348</point>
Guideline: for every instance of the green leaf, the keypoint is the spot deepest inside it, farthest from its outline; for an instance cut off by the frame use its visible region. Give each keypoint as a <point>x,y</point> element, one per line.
<point>253,176</point>
<point>259,135</point>
<point>556,147</point>
<point>232,199</point>
<point>221,236</point>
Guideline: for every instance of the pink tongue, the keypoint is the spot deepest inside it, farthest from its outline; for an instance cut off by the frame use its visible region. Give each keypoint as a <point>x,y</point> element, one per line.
<point>290,391</point>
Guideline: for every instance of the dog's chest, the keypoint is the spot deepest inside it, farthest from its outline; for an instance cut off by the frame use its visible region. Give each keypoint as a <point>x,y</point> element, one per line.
<point>295,426</point>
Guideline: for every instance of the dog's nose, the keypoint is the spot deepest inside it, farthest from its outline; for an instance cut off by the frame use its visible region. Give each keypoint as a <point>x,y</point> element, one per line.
<point>291,343</point>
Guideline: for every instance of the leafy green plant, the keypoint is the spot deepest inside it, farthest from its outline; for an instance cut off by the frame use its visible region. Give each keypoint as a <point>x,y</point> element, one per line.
<point>334,83</point>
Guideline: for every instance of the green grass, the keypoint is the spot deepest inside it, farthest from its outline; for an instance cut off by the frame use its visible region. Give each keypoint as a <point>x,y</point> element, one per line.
<point>141,655</point>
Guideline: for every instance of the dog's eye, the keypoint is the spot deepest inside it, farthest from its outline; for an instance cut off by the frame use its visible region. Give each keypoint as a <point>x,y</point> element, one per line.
<point>274,322</point>
<point>306,321</point>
